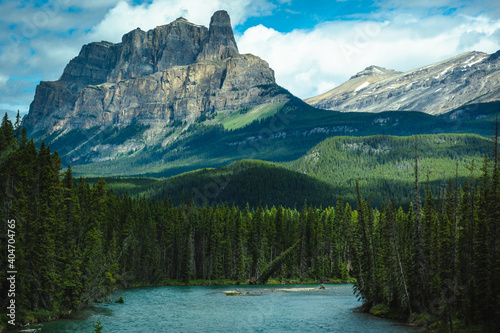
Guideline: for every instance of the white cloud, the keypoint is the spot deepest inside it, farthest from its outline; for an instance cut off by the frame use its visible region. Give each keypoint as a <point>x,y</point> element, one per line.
<point>36,43</point>
<point>14,95</point>
<point>314,61</point>
<point>51,54</point>
<point>125,17</point>
<point>402,35</point>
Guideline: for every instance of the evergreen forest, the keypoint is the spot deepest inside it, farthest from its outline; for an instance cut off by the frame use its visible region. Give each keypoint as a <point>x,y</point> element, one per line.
<point>435,262</point>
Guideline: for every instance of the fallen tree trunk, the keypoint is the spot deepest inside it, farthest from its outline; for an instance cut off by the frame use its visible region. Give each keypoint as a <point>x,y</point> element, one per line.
<point>276,263</point>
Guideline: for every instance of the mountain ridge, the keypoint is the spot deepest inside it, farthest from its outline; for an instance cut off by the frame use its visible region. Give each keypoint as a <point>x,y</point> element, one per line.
<point>435,89</point>
<point>283,136</point>
<point>177,71</point>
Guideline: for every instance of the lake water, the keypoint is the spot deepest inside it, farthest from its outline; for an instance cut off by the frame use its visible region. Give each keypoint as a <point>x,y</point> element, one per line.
<point>208,309</point>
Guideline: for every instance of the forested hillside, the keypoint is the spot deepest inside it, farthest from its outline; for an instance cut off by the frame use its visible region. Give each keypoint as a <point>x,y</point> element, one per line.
<point>383,165</point>
<point>75,243</point>
<point>437,265</point>
<point>245,182</point>
<point>281,136</point>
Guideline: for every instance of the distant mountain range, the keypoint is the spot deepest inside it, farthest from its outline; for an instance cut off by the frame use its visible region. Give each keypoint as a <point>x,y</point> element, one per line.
<point>472,77</point>
<point>180,97</point>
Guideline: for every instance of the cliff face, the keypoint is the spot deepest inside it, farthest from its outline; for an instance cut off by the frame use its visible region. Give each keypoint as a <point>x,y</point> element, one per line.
<point>177,93</point>
<point>434,89</point>
<point>173,72</point>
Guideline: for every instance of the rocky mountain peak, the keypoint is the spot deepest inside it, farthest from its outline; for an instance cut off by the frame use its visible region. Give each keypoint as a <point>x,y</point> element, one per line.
<point>375,71</point>
<point>221,43</point>
<point>471,77</point>
<point>356,84</point>
<point>176,71</point>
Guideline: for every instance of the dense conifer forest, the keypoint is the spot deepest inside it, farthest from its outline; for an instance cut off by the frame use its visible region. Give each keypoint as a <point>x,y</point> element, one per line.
<point>382,165</point>
<point>436,263</point>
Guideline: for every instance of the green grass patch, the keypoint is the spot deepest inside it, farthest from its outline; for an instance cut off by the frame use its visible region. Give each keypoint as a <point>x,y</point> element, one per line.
<point>243,117</point>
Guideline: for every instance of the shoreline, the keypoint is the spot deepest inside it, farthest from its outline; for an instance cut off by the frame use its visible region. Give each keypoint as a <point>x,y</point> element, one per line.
<point>223,282</point>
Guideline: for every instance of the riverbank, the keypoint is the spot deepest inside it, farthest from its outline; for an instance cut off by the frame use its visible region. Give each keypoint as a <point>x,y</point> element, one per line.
<point>423,321</point>
<point>225,282</point>
<point>35,317</point>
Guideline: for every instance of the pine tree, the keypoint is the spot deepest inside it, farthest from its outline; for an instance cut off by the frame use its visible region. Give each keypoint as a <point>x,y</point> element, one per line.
<point>6,133</point>
<point>495,231</point>
<point>44,228</point>
<point>363,266</point>
<point>17,126</point>
<point>239,246</point>
<point>419,283</point>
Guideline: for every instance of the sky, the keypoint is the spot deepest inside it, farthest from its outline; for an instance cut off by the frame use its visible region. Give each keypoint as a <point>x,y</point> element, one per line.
<point>313,46</point>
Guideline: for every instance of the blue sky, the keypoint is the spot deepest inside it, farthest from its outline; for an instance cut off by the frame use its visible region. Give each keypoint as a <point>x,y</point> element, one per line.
<point>313,46</point>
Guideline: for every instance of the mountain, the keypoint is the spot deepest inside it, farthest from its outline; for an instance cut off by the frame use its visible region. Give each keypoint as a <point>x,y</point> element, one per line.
<point>169,75</point>
<point>472,77</point>
<point>180,97</point>
<point>283,134</point>
<point>356,83</point>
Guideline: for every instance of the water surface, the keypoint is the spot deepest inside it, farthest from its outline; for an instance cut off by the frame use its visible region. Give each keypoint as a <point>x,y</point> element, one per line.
<point>208,309</point>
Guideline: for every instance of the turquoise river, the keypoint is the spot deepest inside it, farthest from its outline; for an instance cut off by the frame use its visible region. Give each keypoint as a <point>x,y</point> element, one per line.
<point>271,308</point>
